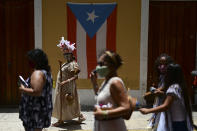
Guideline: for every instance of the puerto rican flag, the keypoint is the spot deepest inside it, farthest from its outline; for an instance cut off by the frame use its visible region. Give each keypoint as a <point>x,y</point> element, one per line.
<point>93,28</point>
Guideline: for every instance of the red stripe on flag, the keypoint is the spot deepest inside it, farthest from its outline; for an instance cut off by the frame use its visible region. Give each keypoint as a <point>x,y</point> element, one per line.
<point>111,31</point>
<point>91,53</point>
<point>71,29</point>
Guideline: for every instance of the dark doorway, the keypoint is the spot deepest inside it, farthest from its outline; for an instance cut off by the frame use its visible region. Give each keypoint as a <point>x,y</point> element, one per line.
<point>16,38</point>
<point>172,30</point>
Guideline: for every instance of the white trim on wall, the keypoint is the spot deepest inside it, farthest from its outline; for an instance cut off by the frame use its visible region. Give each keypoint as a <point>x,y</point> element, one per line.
<point>143,51</point>
<point>38,23</point>
<point>144,45</point>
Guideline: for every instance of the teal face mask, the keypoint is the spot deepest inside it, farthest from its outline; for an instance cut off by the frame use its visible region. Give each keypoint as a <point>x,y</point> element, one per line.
<point>102,70</point>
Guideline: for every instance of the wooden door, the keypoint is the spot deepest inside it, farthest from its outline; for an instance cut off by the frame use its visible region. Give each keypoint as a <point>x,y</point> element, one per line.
<point>16,38</point>
<point>172,30</point>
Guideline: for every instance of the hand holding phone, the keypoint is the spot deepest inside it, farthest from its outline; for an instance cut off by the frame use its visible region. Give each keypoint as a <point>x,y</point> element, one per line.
<point>22,81</point>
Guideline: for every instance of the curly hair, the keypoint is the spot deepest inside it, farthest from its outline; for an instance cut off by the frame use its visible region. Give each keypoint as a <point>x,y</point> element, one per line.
<point>169,60</point>
<point>39,58</point>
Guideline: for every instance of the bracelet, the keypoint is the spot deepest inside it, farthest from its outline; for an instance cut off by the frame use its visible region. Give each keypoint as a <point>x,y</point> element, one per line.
<point>105,114</point>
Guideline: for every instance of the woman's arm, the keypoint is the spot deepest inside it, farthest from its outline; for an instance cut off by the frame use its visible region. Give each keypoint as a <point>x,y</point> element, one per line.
<point>157,92</point>
<point>120,97</point>
<point>167,103</point>
<point>74,77</point>
<point>37,83</point>
<point>93,77</point>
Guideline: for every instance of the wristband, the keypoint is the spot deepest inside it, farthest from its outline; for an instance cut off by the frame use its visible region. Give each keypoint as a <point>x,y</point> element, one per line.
<point>105,114</point>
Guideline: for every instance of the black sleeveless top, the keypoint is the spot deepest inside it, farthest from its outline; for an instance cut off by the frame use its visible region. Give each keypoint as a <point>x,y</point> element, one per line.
<point>36,111</point>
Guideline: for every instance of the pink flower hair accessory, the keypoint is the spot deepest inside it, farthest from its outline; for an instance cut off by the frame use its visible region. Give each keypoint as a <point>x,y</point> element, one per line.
<point>65,44</point>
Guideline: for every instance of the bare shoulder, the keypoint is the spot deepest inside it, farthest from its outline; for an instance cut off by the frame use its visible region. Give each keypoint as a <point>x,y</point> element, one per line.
<point>117,89</point>
<point>37,74</point>
<point>117,84</point>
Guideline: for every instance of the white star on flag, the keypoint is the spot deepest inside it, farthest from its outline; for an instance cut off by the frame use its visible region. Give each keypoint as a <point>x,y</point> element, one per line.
<point>91,16</point>
<point>93,28</point>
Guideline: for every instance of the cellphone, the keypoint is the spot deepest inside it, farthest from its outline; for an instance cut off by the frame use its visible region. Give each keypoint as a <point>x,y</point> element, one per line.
<point>22,81</point>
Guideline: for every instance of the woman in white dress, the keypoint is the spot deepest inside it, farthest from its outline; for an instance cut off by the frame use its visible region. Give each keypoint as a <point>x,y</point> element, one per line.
<point>176,114</point>
<point>68,107</point>
<point>111,96</point>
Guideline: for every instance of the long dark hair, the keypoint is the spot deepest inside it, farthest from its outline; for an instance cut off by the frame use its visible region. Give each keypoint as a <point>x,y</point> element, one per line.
<point>40,59</point>
<point>175,75</point>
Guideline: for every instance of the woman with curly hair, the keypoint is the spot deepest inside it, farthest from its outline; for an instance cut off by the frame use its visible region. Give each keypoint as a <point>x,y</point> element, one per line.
<point>35,107</point>
<point>160,67</point>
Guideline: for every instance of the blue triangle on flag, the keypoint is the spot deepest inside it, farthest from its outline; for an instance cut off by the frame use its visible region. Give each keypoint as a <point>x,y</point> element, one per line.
<point>91,16</point>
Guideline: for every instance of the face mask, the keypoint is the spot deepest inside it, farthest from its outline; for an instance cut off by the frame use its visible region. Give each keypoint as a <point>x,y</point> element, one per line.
<point>162,69</point>
<point>162,65</point>
<point>102,70</point>
<point>67,56</point>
